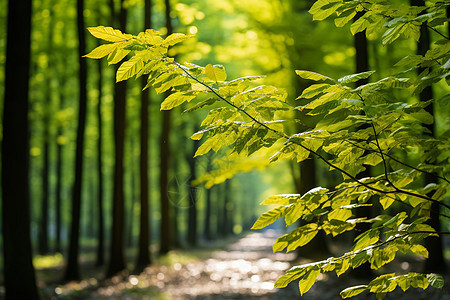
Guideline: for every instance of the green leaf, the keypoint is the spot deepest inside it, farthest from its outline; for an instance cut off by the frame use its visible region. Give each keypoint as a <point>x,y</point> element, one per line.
<point>355,77</point>
<point>108,34</point>
<point>382,284</point>
<point>419,250</point>
<point>215,73</point>
<point>336,227</point>
<point>344,17</point>
<point>308,280</point>
<point>283,199</point>
<point>435,280</point>
<point>102,51</point>
<point>269,217</point>
<point>339,214</point>
<point>130,68</point>
<point>176,99</point>
<point>341,266</point>
<point>353,291</point>
<point>201,104</point>
<point>359,25</point>
<point>296,238</point>
<point>175,38</point>
<point>365,239</point>
<point>322,9</point>
<point>386,201</point>
<point>117,55</point>
<point>312,75</point>
<point>284,280</point>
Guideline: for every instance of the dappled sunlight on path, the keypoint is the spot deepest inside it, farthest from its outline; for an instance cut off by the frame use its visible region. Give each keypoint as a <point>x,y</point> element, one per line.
<point>244,269</point>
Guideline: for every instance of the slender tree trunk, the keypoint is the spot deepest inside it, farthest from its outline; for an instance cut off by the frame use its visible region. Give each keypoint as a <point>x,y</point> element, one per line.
<point>227,209</point>
<point>192,211</point>
<point>43,230</point>
<point>19,276</point>
<point>72,270</point>
<point>144,257</point>
<point>100,246</point>
<point>208,208</point>
<point>165,230</point>
<point>59,167</point>
<point>435,261</point>
<point>117,258</point>
<point>362,65</point>
<point>43,247</point>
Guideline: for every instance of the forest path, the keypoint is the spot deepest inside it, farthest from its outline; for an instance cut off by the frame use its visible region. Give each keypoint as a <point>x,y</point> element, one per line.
<point>244,269</point>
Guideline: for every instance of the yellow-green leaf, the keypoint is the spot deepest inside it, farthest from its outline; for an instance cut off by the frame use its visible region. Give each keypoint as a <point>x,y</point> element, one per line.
<point>386,201</point>
<point>108,34</point>
<point>130,68</point>
<point>282,199</point>
<point>175,100</point>
<point>340,214</point>
<point>312,75</point>
<point>353,291</point>
<point>117,55</point>
<point>175,38</point>
<point>102,51</point>
<point>419,250</point>
<point>269,217</point>
<point>308,280</point>
<point>284,280</point>
<point>215,73</point>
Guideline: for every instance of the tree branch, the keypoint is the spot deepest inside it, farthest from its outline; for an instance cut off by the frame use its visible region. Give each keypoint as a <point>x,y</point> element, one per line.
<point>317,154</point>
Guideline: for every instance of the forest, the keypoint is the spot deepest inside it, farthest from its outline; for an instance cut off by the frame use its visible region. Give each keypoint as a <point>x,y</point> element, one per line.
<point>226,149</point>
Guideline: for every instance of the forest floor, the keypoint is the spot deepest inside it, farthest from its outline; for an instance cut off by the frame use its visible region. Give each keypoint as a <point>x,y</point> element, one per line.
<point>241,268</point>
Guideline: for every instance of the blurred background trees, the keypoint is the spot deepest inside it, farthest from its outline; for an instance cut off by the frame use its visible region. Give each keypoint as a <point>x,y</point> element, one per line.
<point>106,189</point>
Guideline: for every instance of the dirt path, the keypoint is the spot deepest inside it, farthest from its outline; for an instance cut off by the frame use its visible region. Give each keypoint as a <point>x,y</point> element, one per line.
<point>246,269</point>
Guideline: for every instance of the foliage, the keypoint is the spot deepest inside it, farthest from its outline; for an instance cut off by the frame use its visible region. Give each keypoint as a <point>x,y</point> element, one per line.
<point>377,124</point>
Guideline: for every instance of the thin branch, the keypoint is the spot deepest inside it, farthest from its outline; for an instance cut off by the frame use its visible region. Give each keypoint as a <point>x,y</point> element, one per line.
<point>317,154</point>
<point>382,157</point>
<point>437,31</point>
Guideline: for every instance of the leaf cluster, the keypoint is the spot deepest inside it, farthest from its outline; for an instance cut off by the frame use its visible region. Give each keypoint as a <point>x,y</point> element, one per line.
<point>375,124</point>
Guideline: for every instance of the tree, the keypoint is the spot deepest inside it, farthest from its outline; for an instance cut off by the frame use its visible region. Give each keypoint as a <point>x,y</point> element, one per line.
<point>144,258</point>
<point>192,196</point>
<point>72,268</point>
<point>355,127</point>
<point>117,258</point>
<point>165,226</point>
<point>435,261</point>
<point>45,175</point>
<point>100,246</point>
<point>19,276</point>
<point>59,164</point>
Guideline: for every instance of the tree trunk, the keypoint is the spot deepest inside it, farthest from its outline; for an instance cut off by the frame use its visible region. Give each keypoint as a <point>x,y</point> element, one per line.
<point>100,237</point>
<point>43,228</point>
<point>192,211</point>
<point>165,230</point>
<point>362,65</point>
<point>208,209</point>
<point>19,276</point>
<point>117,258</point>
<point>59,166</point>
<point>43,247</point>
<point>72,270</point>
<point>144,257</point>
<point>435,261</point>
<point>228,209</point>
